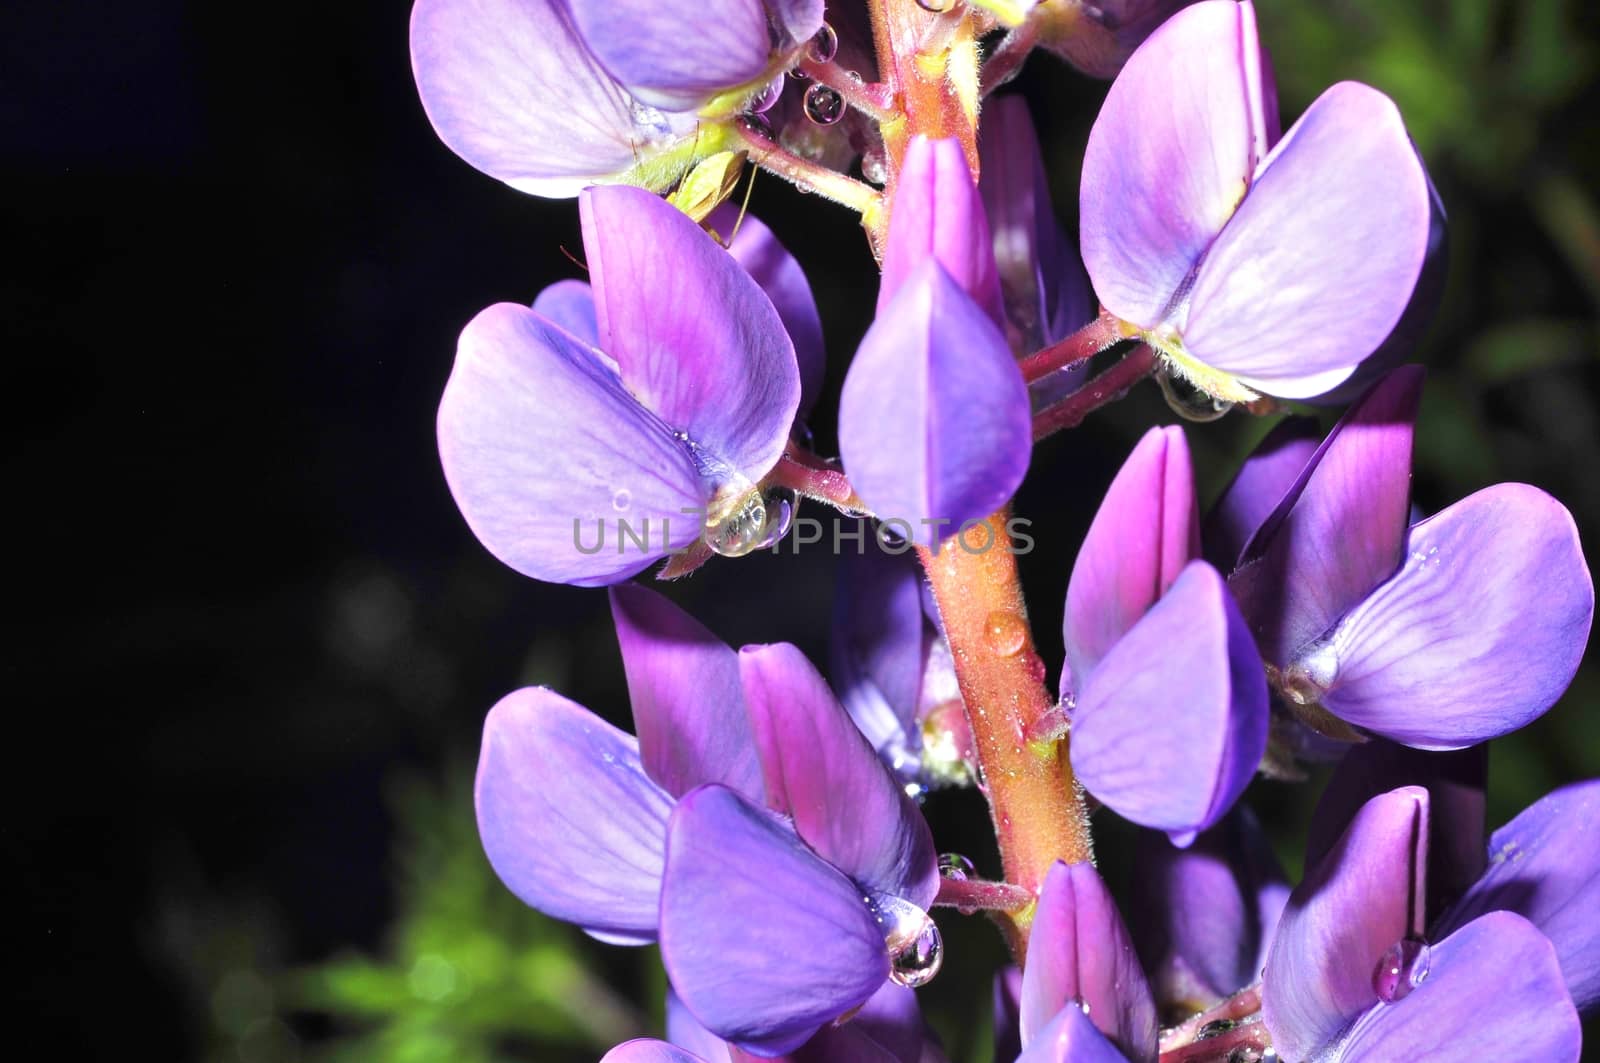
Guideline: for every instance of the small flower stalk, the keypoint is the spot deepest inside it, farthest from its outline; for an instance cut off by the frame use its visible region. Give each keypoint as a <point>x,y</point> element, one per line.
<point>651,417</point>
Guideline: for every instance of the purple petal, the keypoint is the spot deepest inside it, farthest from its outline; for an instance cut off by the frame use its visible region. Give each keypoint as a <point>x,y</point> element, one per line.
<point>1314,270</point>
<point>1340,531</point>
<point>687,697</point>
<point>1365,895</point>
<point>1172,724</point>
<point>685,1032</point>
<point>1041,277</point>
<point>879,643</point>
<point>1477,635</point>
<point>1495,985</point>
<point>778,272</point>
<point>647,45</point>
<point>546,453</point>
<point>1169,158</point>
<point>1071,1037</point>
<point>934,423</point>
<point>887,1029</point>
<point>1455,783</point>
<point>1207,913</point>
<point>800,19</point>
<point>567,816</point>
<point>1079,954</point>
<point>646,1050</point>
<point>821,770</point>
<point>1545,865</point>
<point>511,88</point>
<point>1146,530</point>
<point>1262,481</point>
<point>938,215</point>
<point>570,304</point>
<point>696,338</point>
<point>763,940</point>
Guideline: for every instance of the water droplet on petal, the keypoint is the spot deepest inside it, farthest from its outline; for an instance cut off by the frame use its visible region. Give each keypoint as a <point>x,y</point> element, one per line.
<point>875,165</point>
<point>1246,1054</point>
<point>916,948</point>
<point>824,46</point>
<point>1403,967</point>
<point>622,500</point>
<point>1005,632</point>
<point>936,7</point>
<point>768,97</point>
<point>759,125</point>
<point>1188,401</point>
<point>823,105</point>
<point>757,521</point>
<point>956,867</point>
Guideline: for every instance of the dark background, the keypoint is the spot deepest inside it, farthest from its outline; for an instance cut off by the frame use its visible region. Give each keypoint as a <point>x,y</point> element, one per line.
<point>252,640</point>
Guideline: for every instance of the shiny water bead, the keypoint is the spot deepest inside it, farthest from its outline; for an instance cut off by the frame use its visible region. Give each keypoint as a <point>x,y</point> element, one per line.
<point>1403,967</point>
<point>779,504</point>
<point>1005,633</point>
<point>937,7</point>
<point>767,98</point>
<point>759,125</point>
<point>622,500</point>
<point>1246,1054</point>
<point>1188,401</point>
<point>823,105</point>
<point>956,867</point>
<point>916,948</point>
<point>824,46</point>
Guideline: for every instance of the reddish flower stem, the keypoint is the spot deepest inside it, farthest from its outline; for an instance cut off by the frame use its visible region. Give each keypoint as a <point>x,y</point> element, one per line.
<point>1242,1005</point>
<point>1039,815</point>
<point>1106,388</point>
<point>1096,336</point>
<point>815,477</point>
<point>870,98</point>
<point>972,894</point>
<point>1005,62</point>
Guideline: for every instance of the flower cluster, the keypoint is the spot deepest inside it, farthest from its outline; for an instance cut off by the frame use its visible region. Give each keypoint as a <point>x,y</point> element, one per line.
<point>1313,620</point>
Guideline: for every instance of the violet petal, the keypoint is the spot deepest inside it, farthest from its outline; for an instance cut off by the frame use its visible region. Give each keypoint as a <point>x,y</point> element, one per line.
<point>1365,895</point>
<point>1079,954</point>
<point>687,697</point>
<point>1071,1037</point>
<point>580,840</point>
<point>934,423</point>
<point>742,892</point>
<point>545,451</point>
<point>820,770</point>
<point>1268,474</point>
<point>1171,726</point>
<point>649,49</point>
<point>697,340</point>
<point>1494,982</point>
<point>1479,632</point>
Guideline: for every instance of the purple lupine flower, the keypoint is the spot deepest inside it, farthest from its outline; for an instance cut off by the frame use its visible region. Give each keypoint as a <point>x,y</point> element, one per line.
<point>1080,958</point>
<point>1162,685</point>
<point>551,96</point>
<point>579,463</point>
<point>1350,979</point>
<point>1544,865</point>
<point>1457,629</point>
<point>777,920</point>
<point>1252,264</point>
<point>934,421</point>
<point>688,709</point>
<point>1205,915</point>
<point>1045,290</point>
<point>894,673</point>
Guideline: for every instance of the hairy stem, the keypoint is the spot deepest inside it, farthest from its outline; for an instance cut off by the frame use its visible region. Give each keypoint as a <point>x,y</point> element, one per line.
<point>1038,811</point>
<point>1005,62</point>
<point>1106,388</point>
<point>870,98</point>
<point>1104,331</point>
<point>972,895</point>
<point>815,477</point>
